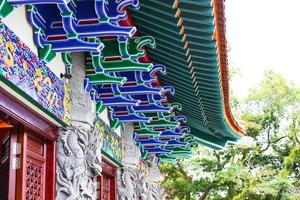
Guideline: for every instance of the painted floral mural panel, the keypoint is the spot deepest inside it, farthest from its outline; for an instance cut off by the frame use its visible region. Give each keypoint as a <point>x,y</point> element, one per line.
<point>21,67</point>
<point>112,142</point>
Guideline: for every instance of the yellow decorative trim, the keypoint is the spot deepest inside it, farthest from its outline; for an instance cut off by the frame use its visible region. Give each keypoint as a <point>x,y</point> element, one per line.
<point>175,4</point>
<point>180,22</point>
<point>178,13</point>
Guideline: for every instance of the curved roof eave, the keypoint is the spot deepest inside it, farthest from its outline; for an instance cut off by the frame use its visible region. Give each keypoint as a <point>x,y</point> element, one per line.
<point>220,37</point>
<point>200,58</point>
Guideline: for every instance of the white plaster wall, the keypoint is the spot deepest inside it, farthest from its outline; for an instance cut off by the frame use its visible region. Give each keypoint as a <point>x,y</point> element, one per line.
<point>18,23</point>
<point>118,130</point>
<point>104,116</point>
<point>57,65</point>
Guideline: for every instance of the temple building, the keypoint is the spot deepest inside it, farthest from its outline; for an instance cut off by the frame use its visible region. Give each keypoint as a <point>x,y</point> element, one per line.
<point>95,94</point>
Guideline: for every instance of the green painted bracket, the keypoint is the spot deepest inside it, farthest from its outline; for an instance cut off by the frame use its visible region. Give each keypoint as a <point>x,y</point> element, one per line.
<point>136,45</point>
<point>192,143</point>
<point>138,145</point>
<point>68,14</point>
<point>161,123</point>
<point>165,159</point>
<point>176,106</point>
<point>161,115</point>
<point>46,53</point>
<point>120,65</point>
<point>179,152</point>
<point>31,8</point>
<point>182,155</point>
<point>102,78</point>
<point>73,36</point>
<point>5,9</point>
<point>114,124</point>
<point>111,48</point>
<point>123,49</point>
<point>100,108</point>
<point>144,155</point>
<point>133,48</point>
<point>147,132</point>
<point>67,59</point>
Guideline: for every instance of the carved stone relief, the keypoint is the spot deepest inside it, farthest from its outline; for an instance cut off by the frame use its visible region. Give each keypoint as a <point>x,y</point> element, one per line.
<point>78,162</point>
<point>128,176</point>
<point>154,189</point>
<point>83,109</point>
<point>137,181</point>
<point>79,146</point>
<point>132,153</point>
<point>79,152</point>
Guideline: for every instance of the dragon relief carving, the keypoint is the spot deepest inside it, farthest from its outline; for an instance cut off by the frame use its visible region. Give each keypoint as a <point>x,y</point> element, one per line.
<point>129,187</point>
<point>137,180</point>
<point>132,185</point>
<point>78,162</point>
<point>141,186</point>
<point>127,184</point>
<point>135,184</point>
<point>154,189</point>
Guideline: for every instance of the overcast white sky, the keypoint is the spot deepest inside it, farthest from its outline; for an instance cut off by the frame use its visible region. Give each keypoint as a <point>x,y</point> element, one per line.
<point>263,34</point>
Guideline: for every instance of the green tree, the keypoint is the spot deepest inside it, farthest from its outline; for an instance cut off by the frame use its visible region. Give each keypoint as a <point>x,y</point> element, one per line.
<point>269,169</point>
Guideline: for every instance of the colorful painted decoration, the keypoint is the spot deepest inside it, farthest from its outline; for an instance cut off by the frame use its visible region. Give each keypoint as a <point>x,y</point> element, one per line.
<point>31,77</point>
<point>69,28</point>
<point>112,142</point>
<point>123,98</point>
<point>137,99</point>
<point>116,76</point>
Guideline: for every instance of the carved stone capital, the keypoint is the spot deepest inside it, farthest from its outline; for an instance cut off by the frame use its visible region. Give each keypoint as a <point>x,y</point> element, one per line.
<point>132,154</point>
<point>83,109</point>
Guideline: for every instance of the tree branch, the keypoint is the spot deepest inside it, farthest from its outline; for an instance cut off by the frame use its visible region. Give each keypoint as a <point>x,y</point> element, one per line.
<point>183,172</point>
<point>271,142</point>
<point>207,190</point>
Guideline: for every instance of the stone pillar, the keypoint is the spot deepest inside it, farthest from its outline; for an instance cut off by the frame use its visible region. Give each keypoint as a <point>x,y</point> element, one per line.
<point>138,181</point>
<point>130,186</point>
<point>154,189</point>
<point>83,109</point>
<point>79,146</point>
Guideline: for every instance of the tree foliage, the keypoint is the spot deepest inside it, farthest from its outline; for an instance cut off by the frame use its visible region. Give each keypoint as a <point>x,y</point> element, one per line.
<point>269,169</point>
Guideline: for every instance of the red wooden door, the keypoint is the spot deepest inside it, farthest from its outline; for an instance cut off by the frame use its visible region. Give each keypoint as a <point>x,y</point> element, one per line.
<point>32,173</point>
<point>107,182</point>
<point>27,165</point>
<point>7,174</point>
<point>25,174</point>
